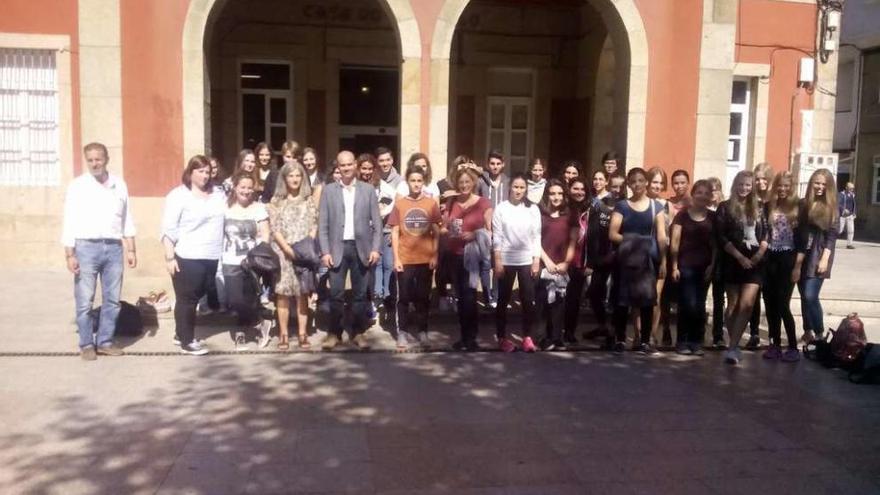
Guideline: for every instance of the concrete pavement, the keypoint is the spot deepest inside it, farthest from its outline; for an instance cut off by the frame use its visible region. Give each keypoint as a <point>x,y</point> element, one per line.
<point>435,423</point>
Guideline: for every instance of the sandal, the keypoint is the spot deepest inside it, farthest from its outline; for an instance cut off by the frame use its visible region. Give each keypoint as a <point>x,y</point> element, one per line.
<point>283,345</point>
<point>303,341</point>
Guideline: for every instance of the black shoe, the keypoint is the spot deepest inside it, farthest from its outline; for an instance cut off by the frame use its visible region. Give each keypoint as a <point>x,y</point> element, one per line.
<point>459,346</point>
<point>683,349</point>
<point>647,349</point>
<point>569,338</point>
<point>719,345</point>
<point>546,344</point>
<point>471,346</point>
<point>753,343</point>
<point>619,348</point>
<point>559,344</point>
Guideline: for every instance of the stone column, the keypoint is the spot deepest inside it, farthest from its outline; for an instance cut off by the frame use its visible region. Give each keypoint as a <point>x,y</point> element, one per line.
<point>716,81</point>
<point>100,77</point>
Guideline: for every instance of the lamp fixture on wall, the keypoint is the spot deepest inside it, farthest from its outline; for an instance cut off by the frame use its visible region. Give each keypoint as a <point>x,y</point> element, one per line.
<point>829,24</point>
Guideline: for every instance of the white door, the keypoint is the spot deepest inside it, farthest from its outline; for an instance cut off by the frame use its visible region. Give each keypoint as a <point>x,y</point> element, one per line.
<point>265,103</point>
<point>510,130</point>
<point>738,138</point>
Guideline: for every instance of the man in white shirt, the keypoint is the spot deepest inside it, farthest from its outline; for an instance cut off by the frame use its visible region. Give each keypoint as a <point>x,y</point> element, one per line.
<point>97,234</point>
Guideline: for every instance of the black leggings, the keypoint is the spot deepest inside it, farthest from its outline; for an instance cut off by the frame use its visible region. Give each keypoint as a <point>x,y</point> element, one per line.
<point>551,312</point>
<point>242,294</point>
<point>777,292</point>
<point>576,282</point>
<point>597,293</point>
<point>755,319</point>
<point>468,317</point>
<point>620,317</point>
<point>526,299</point>
<point>190,284</point>
<point>718,296</point>
<point>413,286</point>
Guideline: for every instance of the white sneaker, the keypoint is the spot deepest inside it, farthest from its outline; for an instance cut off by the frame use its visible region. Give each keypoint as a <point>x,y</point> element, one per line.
<point>264,327</point>
<point>176,341</point>
<point>240,342</point>
<point>194,348</point>
<point>732,356</point>
<point>402,342</point>
<point>205,310</point>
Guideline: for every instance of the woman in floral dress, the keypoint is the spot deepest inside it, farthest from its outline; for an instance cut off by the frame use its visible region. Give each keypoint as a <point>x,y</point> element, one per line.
<point>292,217</point>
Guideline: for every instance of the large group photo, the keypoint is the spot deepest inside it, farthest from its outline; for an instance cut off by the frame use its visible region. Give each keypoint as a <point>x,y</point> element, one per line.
<point>341,249</point>
<point>439,247</point>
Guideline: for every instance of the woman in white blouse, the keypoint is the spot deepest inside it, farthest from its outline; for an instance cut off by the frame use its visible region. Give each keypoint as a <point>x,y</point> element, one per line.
<point>192,235</point>
<point>516,242</point>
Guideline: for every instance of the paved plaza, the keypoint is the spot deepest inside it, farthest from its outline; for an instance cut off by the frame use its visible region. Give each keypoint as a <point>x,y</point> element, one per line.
<point>422,423</point>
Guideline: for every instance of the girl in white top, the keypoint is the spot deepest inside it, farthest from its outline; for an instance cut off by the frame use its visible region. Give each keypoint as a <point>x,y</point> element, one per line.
<point>246,225</point>
<point>516,242</point>
<point>192,235</point>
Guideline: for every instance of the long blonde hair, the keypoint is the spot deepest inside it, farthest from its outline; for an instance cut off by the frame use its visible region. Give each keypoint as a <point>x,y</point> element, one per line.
<point>764,170</point>
<point>822,211</point>
<point>716,185</point>
<point>281,191</point>
<point>744,209</point>
<point>788,206</point>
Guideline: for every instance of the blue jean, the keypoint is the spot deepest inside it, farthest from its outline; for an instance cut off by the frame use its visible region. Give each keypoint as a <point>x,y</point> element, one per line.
<point>350,264</point>
<point>490,289</point>
<point>811,306</point>
<point>692,291</point>
<point>383,270</point>
<point>104,259</point>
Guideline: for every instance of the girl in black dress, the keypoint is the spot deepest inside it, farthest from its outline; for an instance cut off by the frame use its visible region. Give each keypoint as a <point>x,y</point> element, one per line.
<point>742,236</point>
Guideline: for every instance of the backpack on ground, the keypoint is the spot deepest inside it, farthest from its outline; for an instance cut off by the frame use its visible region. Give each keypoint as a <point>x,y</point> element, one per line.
<point>849,341</point>
<point>819,350</point>
<point>128,324</point>
<point>866,369</point>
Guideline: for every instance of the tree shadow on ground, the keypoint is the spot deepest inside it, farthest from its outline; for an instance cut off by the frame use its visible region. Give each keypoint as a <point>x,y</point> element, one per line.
<point>443,423</point>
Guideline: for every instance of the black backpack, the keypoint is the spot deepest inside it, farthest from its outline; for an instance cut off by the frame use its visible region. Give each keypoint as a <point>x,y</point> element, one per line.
<point>128,324</point>
<point>819,350</point>
<point>867,366</point>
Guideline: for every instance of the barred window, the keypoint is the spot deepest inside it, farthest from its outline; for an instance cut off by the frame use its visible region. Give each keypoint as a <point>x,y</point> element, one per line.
<point>29,141</point>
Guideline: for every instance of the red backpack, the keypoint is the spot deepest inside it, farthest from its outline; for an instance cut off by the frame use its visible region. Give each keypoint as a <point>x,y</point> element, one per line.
<point>849,340</point>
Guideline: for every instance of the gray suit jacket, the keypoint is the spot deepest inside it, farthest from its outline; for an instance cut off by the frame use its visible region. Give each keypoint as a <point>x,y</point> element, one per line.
<point>367,223</point>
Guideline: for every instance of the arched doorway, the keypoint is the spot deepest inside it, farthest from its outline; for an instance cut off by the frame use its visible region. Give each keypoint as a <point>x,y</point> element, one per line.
<point>559,80</point>
<point>321,73</point>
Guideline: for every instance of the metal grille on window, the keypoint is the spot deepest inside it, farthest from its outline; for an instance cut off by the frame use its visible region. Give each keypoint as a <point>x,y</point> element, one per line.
<point>28,118</point>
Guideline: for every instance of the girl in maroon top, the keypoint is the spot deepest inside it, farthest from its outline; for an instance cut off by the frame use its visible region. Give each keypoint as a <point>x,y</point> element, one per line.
<point>558,234</point>
<point>692,256</point>
<point>468,215</point>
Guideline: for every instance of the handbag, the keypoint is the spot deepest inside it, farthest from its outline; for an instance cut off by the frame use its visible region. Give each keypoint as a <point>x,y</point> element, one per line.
<point>262,261</point>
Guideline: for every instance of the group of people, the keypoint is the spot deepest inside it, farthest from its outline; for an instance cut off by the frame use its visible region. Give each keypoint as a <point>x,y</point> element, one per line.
<point>619,241</point>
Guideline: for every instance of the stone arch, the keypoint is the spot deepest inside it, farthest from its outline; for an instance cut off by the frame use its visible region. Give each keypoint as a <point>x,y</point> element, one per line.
<point>630,41</point>
<point>196,86</point>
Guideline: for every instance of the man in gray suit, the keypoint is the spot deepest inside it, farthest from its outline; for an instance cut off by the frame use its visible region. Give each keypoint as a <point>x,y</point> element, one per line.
<point>350,236</point>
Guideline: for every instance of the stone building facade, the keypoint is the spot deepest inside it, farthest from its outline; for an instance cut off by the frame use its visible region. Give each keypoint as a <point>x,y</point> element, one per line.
<point>710,86</point>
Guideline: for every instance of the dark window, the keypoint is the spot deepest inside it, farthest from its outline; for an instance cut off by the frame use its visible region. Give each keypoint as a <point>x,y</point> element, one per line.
<point>253,115</point>
<point>368,96</point>
<point>265,76</point>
